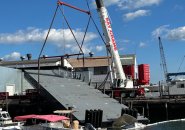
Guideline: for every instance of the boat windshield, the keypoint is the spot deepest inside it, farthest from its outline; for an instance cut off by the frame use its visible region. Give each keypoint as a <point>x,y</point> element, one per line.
<point>5,115</point>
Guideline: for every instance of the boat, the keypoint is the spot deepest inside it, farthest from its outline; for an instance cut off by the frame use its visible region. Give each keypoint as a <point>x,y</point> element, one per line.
<point>6,122</point>
<point>177,124</point>
<point>51,121</point>
<point>127,122</point>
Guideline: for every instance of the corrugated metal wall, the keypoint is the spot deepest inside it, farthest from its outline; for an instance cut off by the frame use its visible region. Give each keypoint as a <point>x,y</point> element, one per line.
<point>9,76</point>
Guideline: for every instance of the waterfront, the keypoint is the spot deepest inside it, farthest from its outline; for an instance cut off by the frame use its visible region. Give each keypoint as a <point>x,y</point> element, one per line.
<point>60,81</point>
<point>167,125</point>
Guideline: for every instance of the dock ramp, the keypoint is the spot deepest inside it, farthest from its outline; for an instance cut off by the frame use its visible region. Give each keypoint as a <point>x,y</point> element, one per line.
<point>74,93</point>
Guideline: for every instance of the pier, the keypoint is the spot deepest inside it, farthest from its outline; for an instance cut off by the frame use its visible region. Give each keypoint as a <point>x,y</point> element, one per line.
<point>158,109</point>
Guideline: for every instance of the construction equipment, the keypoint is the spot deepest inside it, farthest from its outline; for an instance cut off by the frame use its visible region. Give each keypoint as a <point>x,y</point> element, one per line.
<point>120,80</point>
<point>174,87</point>
<point>163,60</point>
<point>122,85</point>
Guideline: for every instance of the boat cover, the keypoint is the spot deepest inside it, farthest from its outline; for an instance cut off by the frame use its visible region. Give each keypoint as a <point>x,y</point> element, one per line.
<point>51,118</point>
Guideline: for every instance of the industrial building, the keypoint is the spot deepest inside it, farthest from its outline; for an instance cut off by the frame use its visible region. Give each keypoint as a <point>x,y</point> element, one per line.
<point>91,69</point>
<point>62,81</point>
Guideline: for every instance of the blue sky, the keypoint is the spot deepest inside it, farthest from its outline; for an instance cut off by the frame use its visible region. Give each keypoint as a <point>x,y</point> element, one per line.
<point>136,25</point>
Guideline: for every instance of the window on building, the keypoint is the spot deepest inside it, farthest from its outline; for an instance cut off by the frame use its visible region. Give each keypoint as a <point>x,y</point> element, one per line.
<point>100,70</point>
<point>181,86</point>
<point>81,69</point>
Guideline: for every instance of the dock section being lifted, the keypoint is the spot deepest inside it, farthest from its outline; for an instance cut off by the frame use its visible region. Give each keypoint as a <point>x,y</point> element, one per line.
<point>70,92</point>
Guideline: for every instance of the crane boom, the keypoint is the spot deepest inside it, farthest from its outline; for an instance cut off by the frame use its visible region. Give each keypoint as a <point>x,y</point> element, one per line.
<point>111,42</point>
<point>163,60</point>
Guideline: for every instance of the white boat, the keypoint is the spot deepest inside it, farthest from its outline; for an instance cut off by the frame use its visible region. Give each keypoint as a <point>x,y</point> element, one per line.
<point>6,122</point>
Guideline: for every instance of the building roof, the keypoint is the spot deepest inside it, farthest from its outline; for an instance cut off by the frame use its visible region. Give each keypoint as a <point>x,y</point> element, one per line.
<point>101,61</point>
<point>89,62</point>
<point>74,62</point>
<point>128,59</point>
<point>30,63</point>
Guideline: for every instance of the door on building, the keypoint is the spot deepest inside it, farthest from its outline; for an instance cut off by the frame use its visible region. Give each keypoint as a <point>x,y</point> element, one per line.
<point>10,88</point>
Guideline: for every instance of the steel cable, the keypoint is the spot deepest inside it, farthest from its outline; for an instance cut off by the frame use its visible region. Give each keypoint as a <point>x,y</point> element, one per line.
<point>71,30</point>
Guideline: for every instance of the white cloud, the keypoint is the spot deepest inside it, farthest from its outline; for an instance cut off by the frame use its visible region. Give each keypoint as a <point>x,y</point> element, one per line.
<point>107,3</point>
<point>99,48</point>
<point>130,4</point>
<point>126,41</point>
<point>178,7</point>
<point>86,49</point>
<point>171,34</point>
<point>136,4</point>
<point>121,49</point>
<point>56,36</point>
<point>68,45</point>
<point>136,14</point>
<point>177,34</point>
<point>160,31</point>
<point>13,56</point>
<point>142,44</point>
<point>111,2</point>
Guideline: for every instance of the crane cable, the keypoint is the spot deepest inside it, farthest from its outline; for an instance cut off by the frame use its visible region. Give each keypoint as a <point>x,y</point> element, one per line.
<point>44,46</point>
<point>63,34</point>
<point>48,31</point>
<point>180,65</point>
<point>84,40</point>
<point>71,30</point>
<point>108,49</point>
<point>96,26</point>
<point>85,31</point>
<point>80,46</point>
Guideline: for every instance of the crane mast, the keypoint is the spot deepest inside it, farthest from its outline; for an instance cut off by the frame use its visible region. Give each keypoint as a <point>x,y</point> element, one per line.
<point>111,44</point>
<point>163,60</point>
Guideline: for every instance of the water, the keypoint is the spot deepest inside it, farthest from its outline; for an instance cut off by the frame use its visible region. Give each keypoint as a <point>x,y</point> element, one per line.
<point>167,125</point>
